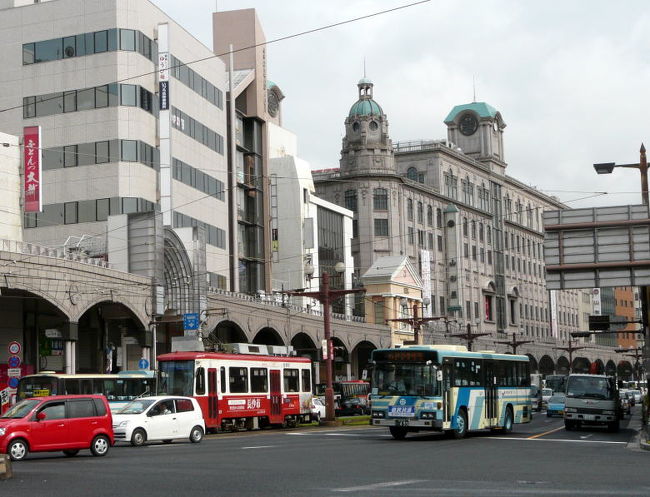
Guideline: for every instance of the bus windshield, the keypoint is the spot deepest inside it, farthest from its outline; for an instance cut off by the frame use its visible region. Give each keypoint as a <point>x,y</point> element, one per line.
<point>37,386</point>
<point>404,379</point>
<point>176,378</point>
<point>590,387</point>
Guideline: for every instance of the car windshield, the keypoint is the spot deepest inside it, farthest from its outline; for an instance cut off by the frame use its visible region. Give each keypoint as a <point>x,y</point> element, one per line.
<point>557,399</point>
<point>136,407</point>
<point>588,387</point>
<point>404,379</point>
<point>547,391</point>
<point>20,410</point>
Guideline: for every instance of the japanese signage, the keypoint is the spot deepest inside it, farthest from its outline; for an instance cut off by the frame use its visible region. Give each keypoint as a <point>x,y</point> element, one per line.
<point>32,161</point>
<point>4,396</point>
<point>163,94</point>
<point>163,80</point>
<point>191,321</point>
<point>425,259</point>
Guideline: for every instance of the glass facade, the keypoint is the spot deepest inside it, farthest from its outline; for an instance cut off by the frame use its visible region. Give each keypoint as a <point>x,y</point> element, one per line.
<point>85,211</point>
<point>109,95</point>
<point>199,132</point>
<point>197,179</point>
<point>196,83</point>
<point>331,250</point>
<point>88,44</point>
<point>213,235</point>
<point>102,152</point>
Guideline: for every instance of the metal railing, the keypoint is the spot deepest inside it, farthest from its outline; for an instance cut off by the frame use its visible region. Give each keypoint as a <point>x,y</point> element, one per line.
<point>33,249</point>
<point>276,300</point>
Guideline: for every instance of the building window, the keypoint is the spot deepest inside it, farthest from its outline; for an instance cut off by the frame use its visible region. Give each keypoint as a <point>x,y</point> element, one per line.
<point>379,312</point>
<point>380,199</point>
<point>473,230</point>
<point>411,236</point>
<point>480,232</point>
<point>451,185</point>
<point>429,215</point>
<point>421,239</point>
<point>487,300</point>
<point>465,227</point>
<point>440,246</point>
<point>412,174</point>
<point>381,227</point>
<point>489,256</point>
<point>439,218</point>
<point>474,252</point>
<point>409,209</point>
<point>351,200</point>
<point>465,250</point>
<point>420,213</point>
<point>482,255</point>
<point>430,239</point>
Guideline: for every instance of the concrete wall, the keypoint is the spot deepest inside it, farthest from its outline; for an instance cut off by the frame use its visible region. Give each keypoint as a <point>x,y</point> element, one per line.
<point>10,187</point>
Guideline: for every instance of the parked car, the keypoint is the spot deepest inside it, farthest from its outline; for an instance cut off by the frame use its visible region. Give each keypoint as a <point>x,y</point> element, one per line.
<point>536,398</point>
<point>555,405</point>
<point>69,423</point>
<point>546,394</point>
<point>165,418</point>
<point>352,407</point>
<point>637,395</point>
<point>317,409</point>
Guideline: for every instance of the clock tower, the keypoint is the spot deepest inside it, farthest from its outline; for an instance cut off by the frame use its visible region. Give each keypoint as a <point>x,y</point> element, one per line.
<point>477,128</point>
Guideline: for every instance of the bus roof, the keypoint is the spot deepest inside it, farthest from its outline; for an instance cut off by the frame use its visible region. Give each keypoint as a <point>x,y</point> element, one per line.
<point>458,351</point>
<point>191,356</point>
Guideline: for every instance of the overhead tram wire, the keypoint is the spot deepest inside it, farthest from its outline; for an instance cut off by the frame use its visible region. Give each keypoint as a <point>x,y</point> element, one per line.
<point>265,43</point>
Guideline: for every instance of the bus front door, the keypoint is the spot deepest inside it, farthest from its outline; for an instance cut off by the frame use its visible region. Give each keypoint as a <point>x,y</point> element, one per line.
<point>276,416</point>
<point>213,413</point>
<point>447,369</point>
<point>491,397</point>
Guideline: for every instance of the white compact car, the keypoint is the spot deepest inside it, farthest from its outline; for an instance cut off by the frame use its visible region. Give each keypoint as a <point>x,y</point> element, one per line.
<point>165,418</point>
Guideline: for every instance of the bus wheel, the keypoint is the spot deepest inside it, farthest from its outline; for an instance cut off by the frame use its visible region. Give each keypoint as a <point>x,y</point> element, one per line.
<point>398,432</point>
<point>508,422</point>
<point>461,422</point>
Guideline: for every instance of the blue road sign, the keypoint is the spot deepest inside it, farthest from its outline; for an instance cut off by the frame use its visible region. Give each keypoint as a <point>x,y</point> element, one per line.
<point>13,382</point>
<point>191,321</point>
<point>143,363</point>
<point>14,361</point>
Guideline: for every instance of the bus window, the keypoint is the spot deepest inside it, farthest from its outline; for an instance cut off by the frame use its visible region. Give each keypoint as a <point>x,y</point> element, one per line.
<point>200,381</point>
<point>222,372</point>
<point>291,380</point>
<point>37,386</point>
<point>306,380</point>
<point>259,380</point>
<point>238,380</point>
<point>108,388</point>
<point>72,386</point>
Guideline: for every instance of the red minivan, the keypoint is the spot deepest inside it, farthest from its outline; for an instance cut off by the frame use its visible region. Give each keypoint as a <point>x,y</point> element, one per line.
<point>65,422</point>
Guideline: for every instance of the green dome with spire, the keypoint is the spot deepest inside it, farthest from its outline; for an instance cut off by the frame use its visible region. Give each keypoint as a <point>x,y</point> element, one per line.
<point>365,107</point>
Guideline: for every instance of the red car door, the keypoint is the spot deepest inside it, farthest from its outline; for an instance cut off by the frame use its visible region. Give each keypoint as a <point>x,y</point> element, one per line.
<point>50,433</point>
<point>82,422</point>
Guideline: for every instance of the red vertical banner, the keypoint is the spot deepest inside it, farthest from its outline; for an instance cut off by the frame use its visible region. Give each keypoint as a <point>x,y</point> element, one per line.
<point>32,161</point>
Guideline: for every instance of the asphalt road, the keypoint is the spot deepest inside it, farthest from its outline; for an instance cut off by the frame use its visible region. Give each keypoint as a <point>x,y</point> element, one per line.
<point>537,459</point>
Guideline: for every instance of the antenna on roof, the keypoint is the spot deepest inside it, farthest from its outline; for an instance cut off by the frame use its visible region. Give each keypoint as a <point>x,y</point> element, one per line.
<point>474,86</point>
<point>364,66</point>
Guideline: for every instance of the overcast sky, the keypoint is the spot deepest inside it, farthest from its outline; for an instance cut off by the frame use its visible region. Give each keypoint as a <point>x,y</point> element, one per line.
<point>570,78</point>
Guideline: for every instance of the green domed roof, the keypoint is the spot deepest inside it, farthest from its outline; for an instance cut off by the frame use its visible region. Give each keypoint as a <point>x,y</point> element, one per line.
<point>364,81</point>
<point>481,108</point>
<point>365,107</point>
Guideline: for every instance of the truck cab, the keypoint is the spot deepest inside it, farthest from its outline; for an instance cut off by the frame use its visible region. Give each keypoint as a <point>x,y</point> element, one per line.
<point>591,399</point>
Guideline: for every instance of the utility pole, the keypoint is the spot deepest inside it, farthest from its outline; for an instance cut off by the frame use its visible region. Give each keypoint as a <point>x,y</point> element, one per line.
<point>570,350</point>
<point>469,336</point>
<point>514,343</point>
<point>326,296</point>
<point>416,323</point>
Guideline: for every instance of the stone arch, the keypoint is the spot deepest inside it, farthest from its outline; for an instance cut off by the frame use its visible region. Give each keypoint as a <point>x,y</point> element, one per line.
<point>17,285</point>
<point>562,366</point>
<point>304,346</point>
<point>546,365</point>
<point>580,365</point>
<point>361,358</point>
<point>268,336</point>
<point>178,276</point>
<point>624,370</point>
<point>341,363</point>
<point>610,368</point>
<point>534,367</point>
<point>228,331</point>
<point>108,329</point>
<point>597,367</point>
<point>138,313</point>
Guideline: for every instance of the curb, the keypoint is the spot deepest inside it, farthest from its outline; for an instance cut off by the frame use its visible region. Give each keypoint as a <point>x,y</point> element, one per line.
<point>644,445</point>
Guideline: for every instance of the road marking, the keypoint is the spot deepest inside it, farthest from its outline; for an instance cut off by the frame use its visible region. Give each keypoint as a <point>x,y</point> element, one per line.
<point>259,447</point>
<point>298,434</point>
<point>586,436</point>
<point>554,440</point>
<point>376,486</point>
<point>547,432</point>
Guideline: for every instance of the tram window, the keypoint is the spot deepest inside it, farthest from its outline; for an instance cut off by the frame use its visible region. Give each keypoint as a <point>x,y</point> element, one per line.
<point>238,380</point>
<point>222,373</point>
<point>306,380</point>
<point>200,381</point>
<point>291,380</point>
<point>259,380</point>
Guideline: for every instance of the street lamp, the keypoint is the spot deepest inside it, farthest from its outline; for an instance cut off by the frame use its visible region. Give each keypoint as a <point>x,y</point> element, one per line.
<point>642,166</point>
<point>325,295</point>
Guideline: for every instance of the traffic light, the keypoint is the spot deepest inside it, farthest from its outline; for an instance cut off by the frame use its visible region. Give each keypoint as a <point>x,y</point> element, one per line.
<point>581,334</point>
<point>599,323</point>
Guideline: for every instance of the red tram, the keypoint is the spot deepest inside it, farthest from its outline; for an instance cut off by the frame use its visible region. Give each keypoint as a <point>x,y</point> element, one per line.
<point>240,391</point>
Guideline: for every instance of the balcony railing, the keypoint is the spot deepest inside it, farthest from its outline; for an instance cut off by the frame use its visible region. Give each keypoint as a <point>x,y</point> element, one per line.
<point>33,249</point>
<point>275,300</point>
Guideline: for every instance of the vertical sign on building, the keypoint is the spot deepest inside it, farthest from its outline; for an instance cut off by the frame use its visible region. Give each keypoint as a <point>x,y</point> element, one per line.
<point>595,298</point>
<point>32,162</point>
<point>553,303</point>
<point>425,262</point>
<point>164,125</point>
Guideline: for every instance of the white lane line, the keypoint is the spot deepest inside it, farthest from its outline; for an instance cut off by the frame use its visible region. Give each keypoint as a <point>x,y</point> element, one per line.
<point>259,447</point>
<point>376,486</point>
<point>298,434</point>
<point>553,440</point>
<point>586,436</point>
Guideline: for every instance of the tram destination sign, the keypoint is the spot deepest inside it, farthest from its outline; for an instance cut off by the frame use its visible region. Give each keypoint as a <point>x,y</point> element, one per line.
<point>597,247</point>
<point>405,355</point>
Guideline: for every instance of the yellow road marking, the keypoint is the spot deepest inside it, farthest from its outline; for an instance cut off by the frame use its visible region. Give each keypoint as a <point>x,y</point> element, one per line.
<point>547,432</point>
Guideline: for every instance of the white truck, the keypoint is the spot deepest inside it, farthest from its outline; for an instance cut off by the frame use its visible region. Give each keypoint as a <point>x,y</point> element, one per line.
<point>591,399</point>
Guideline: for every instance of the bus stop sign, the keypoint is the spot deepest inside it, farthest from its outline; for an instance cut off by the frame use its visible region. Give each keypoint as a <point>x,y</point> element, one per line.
<point>191,321</point>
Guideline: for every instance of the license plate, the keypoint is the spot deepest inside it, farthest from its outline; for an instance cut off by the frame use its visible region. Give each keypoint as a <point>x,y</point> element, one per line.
<point>401,422</point>
<point>588,417</point>
<point>401,411</point>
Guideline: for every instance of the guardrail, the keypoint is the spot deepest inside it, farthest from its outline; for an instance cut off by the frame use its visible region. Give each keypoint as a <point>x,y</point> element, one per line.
<point>33,249</point>
<point>275,300</point>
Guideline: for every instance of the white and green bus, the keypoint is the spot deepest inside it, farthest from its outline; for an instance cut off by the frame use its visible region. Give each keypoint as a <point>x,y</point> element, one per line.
<point>447,388</point>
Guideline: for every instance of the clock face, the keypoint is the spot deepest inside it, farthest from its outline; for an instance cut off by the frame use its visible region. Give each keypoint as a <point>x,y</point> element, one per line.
<point>273,104</point>
<point>468,124</point>
<point>373,125</point>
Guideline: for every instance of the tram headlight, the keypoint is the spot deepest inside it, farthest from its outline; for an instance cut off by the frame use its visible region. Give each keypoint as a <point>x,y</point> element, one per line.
<point>378,414</point>
<point>428,415</point>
